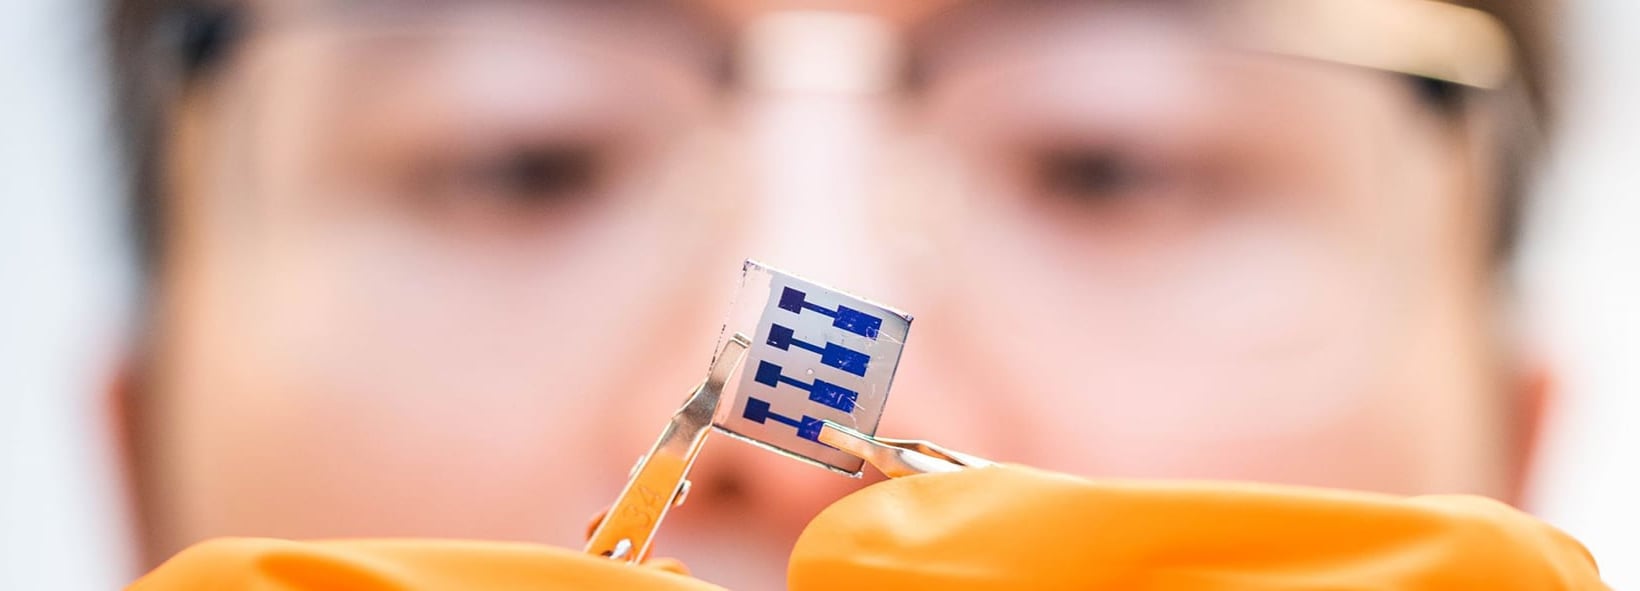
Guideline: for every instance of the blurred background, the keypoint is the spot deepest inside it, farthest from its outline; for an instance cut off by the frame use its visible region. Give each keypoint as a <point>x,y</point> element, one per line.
<point>66,282</point>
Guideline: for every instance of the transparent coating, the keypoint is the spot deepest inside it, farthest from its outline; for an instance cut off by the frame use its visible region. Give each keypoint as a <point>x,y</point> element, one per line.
<point>817,354</point>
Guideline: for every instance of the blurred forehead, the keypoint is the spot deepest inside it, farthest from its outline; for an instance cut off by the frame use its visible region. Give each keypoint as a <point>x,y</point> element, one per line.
<point>666,18</point>
<point>929,32</point>
<point>716,28</point>
<point>682,31</point>
<point>914,15</point>
<point>977,30</point>
<point>1425,38</point>
<point>899,12</point>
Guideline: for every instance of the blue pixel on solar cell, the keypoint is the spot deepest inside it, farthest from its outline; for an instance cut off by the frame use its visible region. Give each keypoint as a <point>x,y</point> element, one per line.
<point>832,354</point>
<point>820,391</point>
<point>758,411</point>
<point>817,355</point>
<point>846,318</point>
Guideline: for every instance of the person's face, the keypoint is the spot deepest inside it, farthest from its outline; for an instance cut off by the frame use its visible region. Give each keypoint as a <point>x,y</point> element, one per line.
<point>446,270</point>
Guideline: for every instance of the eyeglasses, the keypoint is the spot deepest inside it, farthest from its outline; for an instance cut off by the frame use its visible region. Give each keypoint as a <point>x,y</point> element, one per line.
<point>1127,123</point>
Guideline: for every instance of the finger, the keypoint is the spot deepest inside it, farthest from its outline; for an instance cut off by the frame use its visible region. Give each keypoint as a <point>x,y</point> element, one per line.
<point>1009,527</point>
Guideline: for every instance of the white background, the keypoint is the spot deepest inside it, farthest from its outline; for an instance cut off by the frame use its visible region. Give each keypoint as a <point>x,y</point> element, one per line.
<point>1582,276</point>
<point>63,284</point>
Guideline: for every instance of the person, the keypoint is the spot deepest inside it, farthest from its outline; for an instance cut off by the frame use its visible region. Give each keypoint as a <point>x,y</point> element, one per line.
<point>441,269</point>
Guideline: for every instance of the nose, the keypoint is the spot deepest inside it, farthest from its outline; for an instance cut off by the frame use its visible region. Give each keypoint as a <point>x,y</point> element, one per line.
<point>815,120</point>
<point>759,492</point>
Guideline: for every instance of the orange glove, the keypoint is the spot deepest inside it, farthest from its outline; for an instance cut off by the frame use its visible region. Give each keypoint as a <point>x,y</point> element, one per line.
<point>1007,527</point>
<point>256,564</point>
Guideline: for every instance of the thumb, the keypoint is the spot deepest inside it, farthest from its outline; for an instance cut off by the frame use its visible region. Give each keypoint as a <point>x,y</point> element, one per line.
<point>1009,527</point>
<point>257,564</point>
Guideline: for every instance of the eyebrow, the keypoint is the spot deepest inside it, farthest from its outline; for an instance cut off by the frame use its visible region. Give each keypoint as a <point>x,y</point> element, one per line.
<point>1432,39</point>
<point>922,37</point>
<point>695,25</point>
<point>710,27</point>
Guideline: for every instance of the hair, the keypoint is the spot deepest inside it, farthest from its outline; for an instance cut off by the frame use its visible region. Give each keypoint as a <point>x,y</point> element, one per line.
<point>1534,26</point>
<point>160,48</point>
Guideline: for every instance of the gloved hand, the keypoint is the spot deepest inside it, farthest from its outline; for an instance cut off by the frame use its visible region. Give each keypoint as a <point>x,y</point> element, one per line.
<point>257,564</point>
<point>1008,527</point>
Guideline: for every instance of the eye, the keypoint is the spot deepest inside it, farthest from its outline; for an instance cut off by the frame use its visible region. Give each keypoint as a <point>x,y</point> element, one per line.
<point>1093,175</point>
<point>528,176</point>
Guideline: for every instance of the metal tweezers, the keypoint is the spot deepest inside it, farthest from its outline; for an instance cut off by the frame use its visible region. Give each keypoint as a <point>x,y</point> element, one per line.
<point>898,457</point>
<point>660,479</point>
